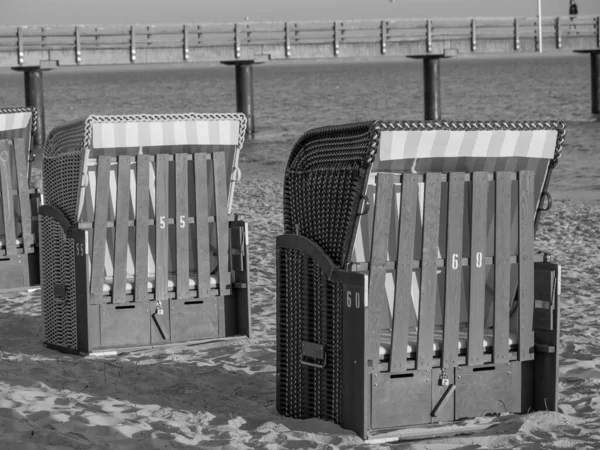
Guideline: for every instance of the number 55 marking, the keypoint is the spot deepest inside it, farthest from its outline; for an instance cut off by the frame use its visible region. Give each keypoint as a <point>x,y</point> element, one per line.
<point>79,249</point>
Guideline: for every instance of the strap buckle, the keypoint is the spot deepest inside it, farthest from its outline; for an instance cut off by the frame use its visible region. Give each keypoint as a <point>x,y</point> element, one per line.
<point>315,354</point>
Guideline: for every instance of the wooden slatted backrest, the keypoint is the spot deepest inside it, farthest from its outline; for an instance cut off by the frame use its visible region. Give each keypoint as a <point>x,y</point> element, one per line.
<point>15,211</point>
<point>421,260</point>
<point>159,212</point>
<point>443,151</point>
<point>170,221</point>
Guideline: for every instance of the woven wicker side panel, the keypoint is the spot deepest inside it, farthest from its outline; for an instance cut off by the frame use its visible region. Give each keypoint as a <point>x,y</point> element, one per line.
<point>62,181</point>
<point>63,155</point>
<point>57,267</point>
<point>309,309</point>
<point>289,312</point>
<point>324,180</point>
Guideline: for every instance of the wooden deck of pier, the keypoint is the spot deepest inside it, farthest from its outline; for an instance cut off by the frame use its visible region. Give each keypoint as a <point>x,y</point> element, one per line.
<point>69,45</point>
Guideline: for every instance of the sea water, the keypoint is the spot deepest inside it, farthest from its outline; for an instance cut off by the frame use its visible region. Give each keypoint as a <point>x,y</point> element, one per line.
<point>292,97</point>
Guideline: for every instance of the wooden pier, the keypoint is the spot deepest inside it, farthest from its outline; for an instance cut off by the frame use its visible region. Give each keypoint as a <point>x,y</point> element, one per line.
<point>71,45</point>
<point>33,49</point>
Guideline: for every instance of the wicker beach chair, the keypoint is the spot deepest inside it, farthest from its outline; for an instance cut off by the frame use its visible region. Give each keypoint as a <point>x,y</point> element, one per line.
<point>408,291</point>
<point>138,243</point>
<point>19,257</point>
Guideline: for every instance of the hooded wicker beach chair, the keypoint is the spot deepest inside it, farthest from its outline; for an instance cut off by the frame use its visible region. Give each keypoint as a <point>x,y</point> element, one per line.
<point>138,244</point>
<point>409,295</point>
<point>19,257</point>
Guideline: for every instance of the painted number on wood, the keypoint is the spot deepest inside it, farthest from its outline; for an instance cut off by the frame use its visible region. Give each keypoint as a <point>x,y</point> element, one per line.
<point>349,299</point>
<point>182,221</point>
<point>79,249</point>
<point>479,259</point>
<point>162,221</point>
<point>455,261</point>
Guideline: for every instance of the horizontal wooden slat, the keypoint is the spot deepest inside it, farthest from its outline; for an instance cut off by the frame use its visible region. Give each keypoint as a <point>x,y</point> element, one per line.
<point>445,177</point>
<point>129,297</point>
<point>486,358</point>
<point>440,262</point>
<point>208,151</point>
<point>171,221</point>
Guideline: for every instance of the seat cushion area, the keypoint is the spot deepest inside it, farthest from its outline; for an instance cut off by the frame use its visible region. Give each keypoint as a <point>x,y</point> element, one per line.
<point>130,282</point>
<point>411,347</point>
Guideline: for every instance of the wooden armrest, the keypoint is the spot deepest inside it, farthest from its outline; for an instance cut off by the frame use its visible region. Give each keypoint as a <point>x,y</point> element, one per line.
<point>545,348</point>
<point>56,214</point>
<point>313,250</point>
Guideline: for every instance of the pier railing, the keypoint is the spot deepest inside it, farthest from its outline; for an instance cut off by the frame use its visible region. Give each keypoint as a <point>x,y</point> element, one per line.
<point>123,44</point>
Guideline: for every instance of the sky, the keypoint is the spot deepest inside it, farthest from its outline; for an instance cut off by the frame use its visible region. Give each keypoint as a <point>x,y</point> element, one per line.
<point>81,12</point>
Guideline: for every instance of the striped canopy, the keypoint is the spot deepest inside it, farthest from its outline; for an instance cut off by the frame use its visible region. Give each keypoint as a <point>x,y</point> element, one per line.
<point>14,119</point>
<point>153,133</point>
<point>421,151</point>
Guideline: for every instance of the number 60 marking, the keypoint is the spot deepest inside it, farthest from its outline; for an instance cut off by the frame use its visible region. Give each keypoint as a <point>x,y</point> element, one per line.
<point>478,260</point>
<point>349,299</point>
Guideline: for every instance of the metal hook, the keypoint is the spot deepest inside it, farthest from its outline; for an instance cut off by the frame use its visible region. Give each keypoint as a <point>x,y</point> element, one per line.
<point>545,195</point>
<point>364,206</point>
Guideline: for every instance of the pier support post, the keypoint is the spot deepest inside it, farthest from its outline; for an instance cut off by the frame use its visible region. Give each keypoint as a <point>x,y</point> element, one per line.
<point>34,96</point>
<point>431,84</point>
<point>244,89</point>
<point>595,81</point>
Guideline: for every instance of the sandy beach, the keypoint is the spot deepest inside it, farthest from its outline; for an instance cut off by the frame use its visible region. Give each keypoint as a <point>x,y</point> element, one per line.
<point>221,395</point>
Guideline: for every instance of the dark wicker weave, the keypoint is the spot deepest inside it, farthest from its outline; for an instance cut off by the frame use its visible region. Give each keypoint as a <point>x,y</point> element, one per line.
<point>324,187</point>
<point>324,181</point>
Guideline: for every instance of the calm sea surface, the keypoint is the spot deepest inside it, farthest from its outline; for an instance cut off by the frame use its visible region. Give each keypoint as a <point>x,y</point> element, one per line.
<point>292,98</point>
